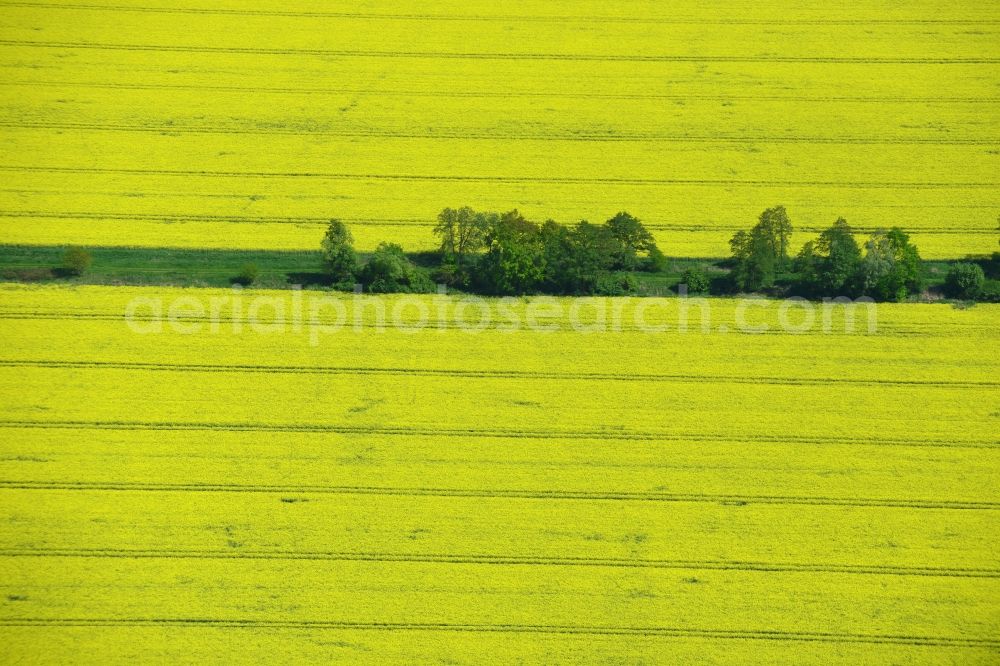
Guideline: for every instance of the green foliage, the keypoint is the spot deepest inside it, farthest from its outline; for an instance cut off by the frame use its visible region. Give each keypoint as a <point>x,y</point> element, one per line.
<point>656,261</point>
<point>575,258</point>
<point>758,254</point>
<point>514,262</point>
<point>508,255</point>
<point>463,235</point>
<point>519,257</point>
<point>562,269</point>
<point>991,266</point>
<point>840,258</point>
<point>594,249</point>
<point>633,239</point>
<point>696,281</point>
<point>616,284</point>
<point>830,265</point>
<point>891,269</point>
<point>755,263</point>
<point>990,292</point>
<point>964,281</point>
<point>807,268</point>
<point>523,258</point>
<point>339,257</point>
<point>833,266</point>
<point>389,271</point>
<point>448,272</point>
<point>247,275</point>
<point>775,228</point>
<point>76,261</point>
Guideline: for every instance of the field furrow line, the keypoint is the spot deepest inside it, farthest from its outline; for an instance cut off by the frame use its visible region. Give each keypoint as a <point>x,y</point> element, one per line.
<point>473,433</point>
<point>111,216</point>
<point>555,18</point>
<point>491,374</point>
<point>508,560</point>
<point>457,55</point>
<point>669,632</point>
<point>546,495</point>
<point>446,134</point>
<point>475,94</point>
<point>570,180</point>
<point>431,326</point>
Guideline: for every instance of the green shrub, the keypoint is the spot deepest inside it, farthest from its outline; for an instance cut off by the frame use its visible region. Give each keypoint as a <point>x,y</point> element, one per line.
<point>964,281</point>
<point>247,275</point>
<point>990,292</point>
<point>616,284</point>
<point>696,280</point>
<point>76,261</point>
<point>390,271</point>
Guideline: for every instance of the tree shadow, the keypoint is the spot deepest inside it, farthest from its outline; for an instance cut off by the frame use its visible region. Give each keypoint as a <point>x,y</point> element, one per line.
<point>311,279</point>
<point>428,259</point>
<point>28,274</point>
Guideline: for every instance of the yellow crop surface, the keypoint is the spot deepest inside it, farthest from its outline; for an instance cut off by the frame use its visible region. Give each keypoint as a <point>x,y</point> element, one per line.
<point>215,475</point>
<point>248,125</point>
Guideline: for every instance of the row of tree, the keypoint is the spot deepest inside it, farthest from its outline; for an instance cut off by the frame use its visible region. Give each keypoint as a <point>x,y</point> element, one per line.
<point>889,268</point>
<point>388,269</point>
<point>506,254</point>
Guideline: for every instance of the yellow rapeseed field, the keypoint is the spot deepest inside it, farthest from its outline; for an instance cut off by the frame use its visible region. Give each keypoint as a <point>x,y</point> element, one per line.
<point>248,476</point>
<point>248,125</point>
<point>187,485</point>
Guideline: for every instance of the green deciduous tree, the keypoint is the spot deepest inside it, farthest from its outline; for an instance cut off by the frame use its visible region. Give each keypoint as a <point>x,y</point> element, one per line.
<point>558,256</point>
<point>830,265</point>
<point>576,258</point>
<point>462,233</point>
<point>807,270</point>
<point>775,227</point>
<point>964,280</point>
<point>339,257</point>
<point>760,253</point>
<point>514,262</point>
<point>891,268</point>
<point>755,265</point>
<point>388,270</point>
<point>76,261</point>
<point>633,240</point>
<point>841,258</point>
